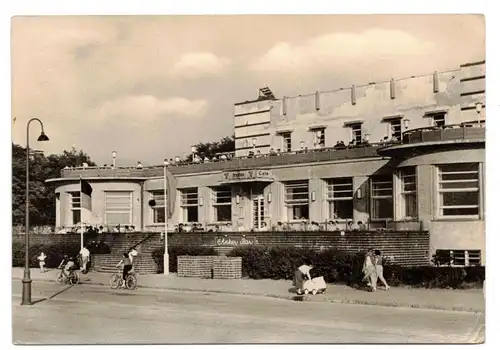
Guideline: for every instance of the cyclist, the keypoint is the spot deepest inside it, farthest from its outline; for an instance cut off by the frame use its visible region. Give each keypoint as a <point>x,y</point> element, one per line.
<point>67,265</point>
<point>127,266</point>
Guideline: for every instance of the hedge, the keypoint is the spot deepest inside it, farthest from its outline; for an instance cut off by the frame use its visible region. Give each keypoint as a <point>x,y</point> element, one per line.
<point>173,252</point>
<point>55,252</point>
<point>346,268</point>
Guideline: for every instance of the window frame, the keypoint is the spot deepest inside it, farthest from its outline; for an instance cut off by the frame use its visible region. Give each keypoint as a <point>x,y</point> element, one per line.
<point>72,196</point>
<point>374,197</point>
<point>286,141</point>
<point>392,126</point>
<point>404,194</point>
<point>355,127</point>
<point>216,205</point>
<point>130,211</point>
<point>153,195</point>
<point>291,203</point>
<point>331,199</point>
<point>321,140</point>
<point>439,214</point>
<point>185,205</point>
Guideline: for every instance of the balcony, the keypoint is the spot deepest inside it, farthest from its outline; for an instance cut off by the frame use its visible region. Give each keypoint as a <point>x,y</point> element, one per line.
<point>240,163</point>
<point>435,136</point>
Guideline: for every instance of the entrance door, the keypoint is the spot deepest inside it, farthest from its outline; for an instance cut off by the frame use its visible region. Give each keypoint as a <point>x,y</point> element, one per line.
<point>258,212</point>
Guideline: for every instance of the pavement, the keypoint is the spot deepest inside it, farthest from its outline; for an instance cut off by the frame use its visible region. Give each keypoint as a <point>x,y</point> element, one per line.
<point>94,314</point>
<point>471,300</point>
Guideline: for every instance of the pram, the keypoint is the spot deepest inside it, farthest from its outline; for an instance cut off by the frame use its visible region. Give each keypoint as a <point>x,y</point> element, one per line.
<point>316,285</point>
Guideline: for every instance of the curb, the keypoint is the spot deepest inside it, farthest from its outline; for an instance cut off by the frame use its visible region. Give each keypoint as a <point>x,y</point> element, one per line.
<point>293,297</point>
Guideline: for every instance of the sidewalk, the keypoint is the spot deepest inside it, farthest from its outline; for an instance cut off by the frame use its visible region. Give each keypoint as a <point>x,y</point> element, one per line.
<point>440,299</point>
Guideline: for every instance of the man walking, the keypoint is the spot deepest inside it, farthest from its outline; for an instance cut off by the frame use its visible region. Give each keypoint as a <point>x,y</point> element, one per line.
<point>85,256</point>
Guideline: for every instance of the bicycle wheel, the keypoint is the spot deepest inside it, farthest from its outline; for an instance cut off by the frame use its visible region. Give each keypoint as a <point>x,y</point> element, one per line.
<point>131,282</point>
<point>115,281</point>
<point>60,277</point>
<point>74,278</point>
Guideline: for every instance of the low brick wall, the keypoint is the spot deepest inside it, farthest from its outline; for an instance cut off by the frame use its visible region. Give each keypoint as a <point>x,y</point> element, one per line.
<point>216,267</point>
<point>408,248</point>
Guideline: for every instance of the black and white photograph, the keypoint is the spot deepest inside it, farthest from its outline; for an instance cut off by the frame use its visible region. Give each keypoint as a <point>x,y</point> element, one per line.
<point>248,179</point>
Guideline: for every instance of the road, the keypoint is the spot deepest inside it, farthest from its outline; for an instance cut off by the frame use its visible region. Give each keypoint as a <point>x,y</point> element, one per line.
<point>89,314</point>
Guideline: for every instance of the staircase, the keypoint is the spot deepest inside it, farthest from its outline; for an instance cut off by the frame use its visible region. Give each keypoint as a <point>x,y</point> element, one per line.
<point>143,263</point>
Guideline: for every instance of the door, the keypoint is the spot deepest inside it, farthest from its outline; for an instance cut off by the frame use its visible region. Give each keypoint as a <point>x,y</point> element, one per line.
<point>258,212</point>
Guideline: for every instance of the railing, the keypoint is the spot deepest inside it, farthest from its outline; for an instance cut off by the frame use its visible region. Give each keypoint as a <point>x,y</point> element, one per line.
<point>236,163</point>
<point>445,133</point>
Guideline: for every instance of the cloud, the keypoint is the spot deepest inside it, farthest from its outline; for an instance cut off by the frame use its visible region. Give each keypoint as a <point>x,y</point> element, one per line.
<point>330,50</point>
<point>146,108</point>
<point>195,65</point>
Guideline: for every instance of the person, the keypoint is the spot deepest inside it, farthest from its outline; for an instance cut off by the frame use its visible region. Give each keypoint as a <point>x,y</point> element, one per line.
<point>369,272</point>
<point>41,260</point>
<point>127,266</point>
<point>67,264</point>
<point>380,269</point>
<point>85,255</point>
<point>132,254</point>
<point>301,274</point>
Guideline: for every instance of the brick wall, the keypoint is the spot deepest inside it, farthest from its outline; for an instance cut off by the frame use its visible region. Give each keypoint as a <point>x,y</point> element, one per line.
<point>409,248</point>
<point>217,267</point>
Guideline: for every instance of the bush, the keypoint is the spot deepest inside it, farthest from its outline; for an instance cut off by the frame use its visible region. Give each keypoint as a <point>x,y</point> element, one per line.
<point>54,252</point>
<point>341,267</point>
<point>173,252</point>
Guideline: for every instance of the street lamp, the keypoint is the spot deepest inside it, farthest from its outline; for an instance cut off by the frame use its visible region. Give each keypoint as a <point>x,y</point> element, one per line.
<point>166,266</point>
<point>113,154</point>
<point>26,298</point>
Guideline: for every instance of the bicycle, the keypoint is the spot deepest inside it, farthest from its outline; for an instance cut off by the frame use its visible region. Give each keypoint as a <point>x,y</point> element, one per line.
<point>72,278</point>
<point>116,280</point>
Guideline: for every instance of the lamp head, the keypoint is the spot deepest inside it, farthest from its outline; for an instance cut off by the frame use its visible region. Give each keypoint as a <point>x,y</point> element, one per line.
<point>43,137</point>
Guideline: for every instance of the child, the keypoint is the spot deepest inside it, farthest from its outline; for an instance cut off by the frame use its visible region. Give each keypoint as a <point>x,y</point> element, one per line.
<point>127,266</point>
<point>380,269</point>
<point>68,265</point>
<point>41,260</point>
<point>301,274</point>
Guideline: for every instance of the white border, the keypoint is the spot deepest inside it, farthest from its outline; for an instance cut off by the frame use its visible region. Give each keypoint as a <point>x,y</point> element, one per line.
<point>36,7</point>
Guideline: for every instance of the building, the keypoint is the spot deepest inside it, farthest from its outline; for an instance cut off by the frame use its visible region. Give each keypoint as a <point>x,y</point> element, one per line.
<point>411,156</point>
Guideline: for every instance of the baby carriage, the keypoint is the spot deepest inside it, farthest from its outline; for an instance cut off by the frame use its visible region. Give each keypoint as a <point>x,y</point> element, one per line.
<point>316,285</point>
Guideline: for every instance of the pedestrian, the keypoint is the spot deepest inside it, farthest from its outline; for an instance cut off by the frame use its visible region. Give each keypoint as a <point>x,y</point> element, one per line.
<point>132,254</point>
<point>380,269</point>
<point>302,274</point>
<point>369,271</point>
<point>41,261</point>
<point>85,256</point>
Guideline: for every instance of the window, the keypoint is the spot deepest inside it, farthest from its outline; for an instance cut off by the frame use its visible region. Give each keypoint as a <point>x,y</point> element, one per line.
<point>118,208</point>
<point>356,132</point>
<point>189,204</point>
<point>395,125</point>
<point>287,141</point>
<point>75,206</point>
<point>459,257</point>
<point>339,197</point>
<point>159,206</point>
<point>408,178</point>
<point>381,197</point>
<point>458,188</point>
<point>438,119</point>
<point>319,137</point>
<point>297,200</point>
<point>222,204</point>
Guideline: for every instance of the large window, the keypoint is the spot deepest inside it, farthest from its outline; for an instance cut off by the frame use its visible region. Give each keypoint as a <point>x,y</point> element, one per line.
<point>189,204</point>
<point>319,137</point>
<point>75,206</point>
<point>459,257</point>
<point>438,118</point>
<point>222,203</point>
<point>356,132</point>
<point>396,131</point>
<point>409,193</point>
<point>297,200</point>
<point>339,198</point>
<point>287,141</point>
<point>381,197</point>
<point>118,206</point>
<point>158,207</point>
<point>458,190</point>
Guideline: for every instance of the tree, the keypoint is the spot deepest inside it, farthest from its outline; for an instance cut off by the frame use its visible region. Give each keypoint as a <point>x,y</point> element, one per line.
<point>210,149</point>
<point>42,195</point>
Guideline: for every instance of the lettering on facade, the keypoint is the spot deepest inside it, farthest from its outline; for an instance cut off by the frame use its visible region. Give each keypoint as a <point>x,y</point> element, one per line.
<point>230,242</point>
<point>247,175</point>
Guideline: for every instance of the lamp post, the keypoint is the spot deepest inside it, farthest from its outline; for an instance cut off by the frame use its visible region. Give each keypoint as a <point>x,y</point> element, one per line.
<point>166,266</point>
<point>113,154</point>
<point>26,298</point>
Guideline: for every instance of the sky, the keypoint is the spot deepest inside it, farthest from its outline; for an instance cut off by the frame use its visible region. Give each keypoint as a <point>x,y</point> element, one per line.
<point>149,87</point>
